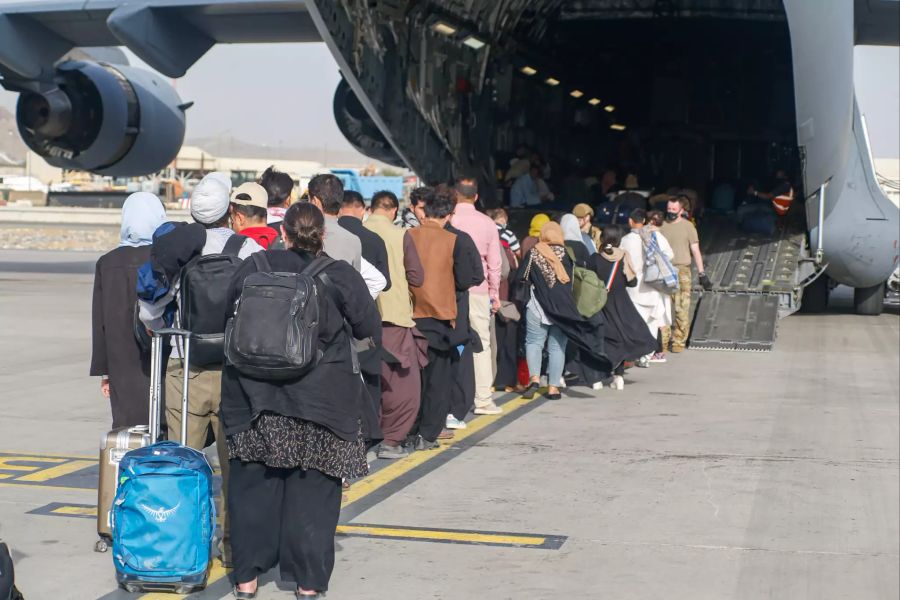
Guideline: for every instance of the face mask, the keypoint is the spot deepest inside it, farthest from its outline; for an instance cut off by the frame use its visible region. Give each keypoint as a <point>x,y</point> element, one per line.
<point>671,216</point>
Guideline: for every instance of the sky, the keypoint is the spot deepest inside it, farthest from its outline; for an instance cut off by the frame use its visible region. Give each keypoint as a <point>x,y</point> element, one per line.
<point>281,94</point>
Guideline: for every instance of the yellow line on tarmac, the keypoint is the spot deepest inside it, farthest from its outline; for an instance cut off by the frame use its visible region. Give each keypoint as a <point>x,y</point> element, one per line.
<point>13,453</point>
<point>452,536</point>
<point>5,462</point>
<point>368,485</point>
<point>90,511</point>
<point>363,488</point>
<point>39,486</point>
<point>58,471</point>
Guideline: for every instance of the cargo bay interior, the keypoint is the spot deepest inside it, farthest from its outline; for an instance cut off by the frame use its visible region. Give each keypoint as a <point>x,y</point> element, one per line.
<point>688,100</point>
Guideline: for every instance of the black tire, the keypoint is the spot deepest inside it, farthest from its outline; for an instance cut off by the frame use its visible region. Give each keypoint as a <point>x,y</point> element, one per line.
<point>815,296</point>
<point>870,300</point>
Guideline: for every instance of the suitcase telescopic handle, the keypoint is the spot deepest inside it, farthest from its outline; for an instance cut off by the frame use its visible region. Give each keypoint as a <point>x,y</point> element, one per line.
<point>156,380</point>
<point>170,331</point>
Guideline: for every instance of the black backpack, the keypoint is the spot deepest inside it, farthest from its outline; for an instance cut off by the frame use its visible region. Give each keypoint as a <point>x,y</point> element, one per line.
<point>204,306</point>
<point>274,333</point>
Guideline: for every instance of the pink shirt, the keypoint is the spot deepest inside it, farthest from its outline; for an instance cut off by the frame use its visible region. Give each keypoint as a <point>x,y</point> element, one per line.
<point>483,232</point>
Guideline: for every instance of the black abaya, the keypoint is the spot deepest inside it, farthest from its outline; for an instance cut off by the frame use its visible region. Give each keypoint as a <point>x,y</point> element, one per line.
<point>626,335</point>
<point>116,353</point>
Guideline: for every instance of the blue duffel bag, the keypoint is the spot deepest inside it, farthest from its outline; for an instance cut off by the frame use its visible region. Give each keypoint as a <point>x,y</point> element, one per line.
<point>164,514</point>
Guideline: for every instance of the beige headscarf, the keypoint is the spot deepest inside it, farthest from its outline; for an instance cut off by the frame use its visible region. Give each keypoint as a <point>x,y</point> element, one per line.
<point>548,253</point>
<point>617,254</point>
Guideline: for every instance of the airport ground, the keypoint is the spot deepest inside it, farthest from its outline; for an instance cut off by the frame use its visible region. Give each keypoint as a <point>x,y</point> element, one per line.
<point>714,476</point>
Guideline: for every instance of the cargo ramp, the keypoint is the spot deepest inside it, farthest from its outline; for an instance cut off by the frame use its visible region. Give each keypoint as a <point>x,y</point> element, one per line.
<point>756,281</point>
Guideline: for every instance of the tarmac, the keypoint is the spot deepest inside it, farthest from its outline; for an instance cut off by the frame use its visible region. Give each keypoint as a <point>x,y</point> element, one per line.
<point>714,476</point>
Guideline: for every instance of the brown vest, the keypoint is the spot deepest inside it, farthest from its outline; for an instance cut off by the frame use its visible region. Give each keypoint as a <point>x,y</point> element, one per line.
<point>437,296</point>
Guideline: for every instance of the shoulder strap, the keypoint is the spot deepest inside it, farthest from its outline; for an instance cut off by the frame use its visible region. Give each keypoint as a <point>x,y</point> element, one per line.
<point>612,274</point>
<point>261,261</point>
<point>571,254</point>
<point>234,244</point>
<point>317,265</point>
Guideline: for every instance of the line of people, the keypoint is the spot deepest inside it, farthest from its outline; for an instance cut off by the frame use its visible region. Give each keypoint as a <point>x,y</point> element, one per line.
<point>424,314</point>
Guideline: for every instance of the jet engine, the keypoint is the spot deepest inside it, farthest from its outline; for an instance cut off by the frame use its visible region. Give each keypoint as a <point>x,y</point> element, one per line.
<point>359,128</point>
<point>110,119</point>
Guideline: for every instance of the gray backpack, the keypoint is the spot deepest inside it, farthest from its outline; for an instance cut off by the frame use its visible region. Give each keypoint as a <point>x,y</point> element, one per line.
<point>274,333</point>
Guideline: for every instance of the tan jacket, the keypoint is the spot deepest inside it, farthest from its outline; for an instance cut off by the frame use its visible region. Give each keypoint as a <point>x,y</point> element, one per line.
<point>395,305</point>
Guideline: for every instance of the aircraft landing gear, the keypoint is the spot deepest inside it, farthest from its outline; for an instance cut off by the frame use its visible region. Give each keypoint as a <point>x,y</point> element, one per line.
<point>870,300</point>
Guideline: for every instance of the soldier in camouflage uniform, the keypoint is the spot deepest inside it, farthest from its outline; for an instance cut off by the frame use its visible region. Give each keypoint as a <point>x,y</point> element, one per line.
<point>682,236</point>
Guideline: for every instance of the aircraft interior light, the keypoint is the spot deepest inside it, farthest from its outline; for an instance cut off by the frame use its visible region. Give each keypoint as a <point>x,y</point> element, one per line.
<point>594,101</point>
<point>526,70</point>
<point>443,28</point>
<point>474,43</point>
<point>609,108</point>
<point>617,127</point>
<point>552,81</point>
<point>576,93</point>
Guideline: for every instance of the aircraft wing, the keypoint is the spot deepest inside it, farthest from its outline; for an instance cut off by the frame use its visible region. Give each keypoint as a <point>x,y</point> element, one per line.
<point>169,35</point>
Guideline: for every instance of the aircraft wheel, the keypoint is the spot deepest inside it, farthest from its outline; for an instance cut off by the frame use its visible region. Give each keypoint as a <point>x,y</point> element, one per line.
<point>815,296</point>
<point>870,300</point>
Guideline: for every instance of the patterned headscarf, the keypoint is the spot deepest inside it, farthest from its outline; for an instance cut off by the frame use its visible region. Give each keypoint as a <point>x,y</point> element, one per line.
<point>548,254</point>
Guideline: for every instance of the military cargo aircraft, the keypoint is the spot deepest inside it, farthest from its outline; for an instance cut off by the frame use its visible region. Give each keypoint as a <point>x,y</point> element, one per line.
<point>699,90</point>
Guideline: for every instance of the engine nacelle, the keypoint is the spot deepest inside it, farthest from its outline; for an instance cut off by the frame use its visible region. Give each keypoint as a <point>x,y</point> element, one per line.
<point>110,119</point>
<point>359,128</point>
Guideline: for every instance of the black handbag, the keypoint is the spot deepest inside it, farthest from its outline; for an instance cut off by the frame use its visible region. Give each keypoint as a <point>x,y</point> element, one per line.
<point>522,286</point>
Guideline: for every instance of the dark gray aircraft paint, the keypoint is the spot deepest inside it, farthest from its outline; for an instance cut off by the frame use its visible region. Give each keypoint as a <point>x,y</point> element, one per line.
<point>694,91</point>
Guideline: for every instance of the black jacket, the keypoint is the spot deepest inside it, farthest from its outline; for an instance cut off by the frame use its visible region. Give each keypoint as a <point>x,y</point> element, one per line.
<point>559,305</point>
<point>373,248</point>
<point>468,272</point>
<point>331,395</point>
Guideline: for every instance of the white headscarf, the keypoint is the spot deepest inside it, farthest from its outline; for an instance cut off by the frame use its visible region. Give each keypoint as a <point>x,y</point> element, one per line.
<point>571,230</point>
<point>211,198</point>
<point>142,214</point>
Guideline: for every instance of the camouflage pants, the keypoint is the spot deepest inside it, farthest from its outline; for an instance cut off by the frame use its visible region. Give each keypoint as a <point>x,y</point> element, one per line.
<point>681,312</point>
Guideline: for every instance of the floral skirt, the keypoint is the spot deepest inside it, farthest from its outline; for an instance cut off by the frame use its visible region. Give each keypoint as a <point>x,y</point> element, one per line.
<point>288,443</point>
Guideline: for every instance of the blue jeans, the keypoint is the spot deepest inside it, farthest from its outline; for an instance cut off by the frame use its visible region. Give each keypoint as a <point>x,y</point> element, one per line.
<point>536,335</point>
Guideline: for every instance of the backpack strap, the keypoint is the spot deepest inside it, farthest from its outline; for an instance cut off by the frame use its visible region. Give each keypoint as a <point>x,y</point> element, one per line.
<point>261,261</point>
<point>315,269</point>
<point>612,274</point>
<point>234,244</point>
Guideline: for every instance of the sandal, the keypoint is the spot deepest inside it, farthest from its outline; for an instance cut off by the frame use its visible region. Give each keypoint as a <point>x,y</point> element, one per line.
<point>244,595</point>
<point>531,390</point>
<point>316,596</point>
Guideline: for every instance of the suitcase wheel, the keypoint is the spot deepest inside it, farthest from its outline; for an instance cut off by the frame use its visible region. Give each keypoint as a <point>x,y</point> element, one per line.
<point>184,590</point>
<point>132,588</point>
<point>101,546</point>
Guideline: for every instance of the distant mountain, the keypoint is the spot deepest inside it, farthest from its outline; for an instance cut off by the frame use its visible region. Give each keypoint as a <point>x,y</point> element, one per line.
<point>10,143</point>
<point>235,148</point>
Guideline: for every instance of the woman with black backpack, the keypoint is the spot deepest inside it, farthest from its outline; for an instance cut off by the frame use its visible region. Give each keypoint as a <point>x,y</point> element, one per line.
<point>292,440</point>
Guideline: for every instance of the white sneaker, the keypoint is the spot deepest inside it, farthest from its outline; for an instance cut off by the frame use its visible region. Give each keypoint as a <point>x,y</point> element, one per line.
<point>618,383</point>
<point>454,423</point>
<point>598,385</point>
<point>490,409</point>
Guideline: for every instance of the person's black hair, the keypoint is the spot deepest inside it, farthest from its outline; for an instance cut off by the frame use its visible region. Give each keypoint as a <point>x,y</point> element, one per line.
<point>638,215</point>
<point>466,186</point>
<point>420,194</point>
<point>385,200</point>
<point>278,186</point>
<point>353,198</point>
<point>611,237</point>
<point>656,218</point>
<point>304,227</point>
<point>218,223</point>
<point>441,203</point>
<point>329,190</point>
<point>249,211</point>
